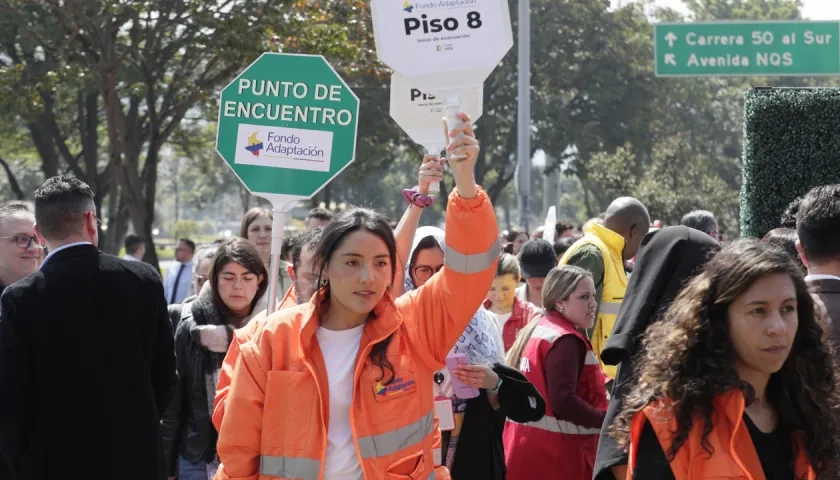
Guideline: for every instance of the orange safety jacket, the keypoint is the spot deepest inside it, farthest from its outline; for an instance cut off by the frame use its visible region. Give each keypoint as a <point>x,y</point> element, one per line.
<point>277,414</point>
<point>733,453</point>
<point>240,336</point>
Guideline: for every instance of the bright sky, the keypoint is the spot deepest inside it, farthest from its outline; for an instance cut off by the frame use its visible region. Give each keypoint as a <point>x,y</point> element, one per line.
<point>811,9</point>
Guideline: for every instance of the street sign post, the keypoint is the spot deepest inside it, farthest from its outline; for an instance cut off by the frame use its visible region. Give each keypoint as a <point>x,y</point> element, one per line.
<point>419,114</point>
<point>734,48</point>
<point>286,127</point>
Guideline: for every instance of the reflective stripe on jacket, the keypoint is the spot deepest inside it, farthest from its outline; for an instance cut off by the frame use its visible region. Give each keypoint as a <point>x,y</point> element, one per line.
<point>241,336</point>
<point>611,246</point>
<point>276,418</point>
<point>539,450</point>
<point>733,453</point>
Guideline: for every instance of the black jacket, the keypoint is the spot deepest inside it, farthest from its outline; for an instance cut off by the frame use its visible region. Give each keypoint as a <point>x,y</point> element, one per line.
<point>86,369</point>
<point>667,260</point>
<point>480,454</point>
<point>188,429</point>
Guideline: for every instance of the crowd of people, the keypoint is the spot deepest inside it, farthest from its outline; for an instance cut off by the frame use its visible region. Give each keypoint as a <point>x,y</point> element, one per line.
<point>624,350</point>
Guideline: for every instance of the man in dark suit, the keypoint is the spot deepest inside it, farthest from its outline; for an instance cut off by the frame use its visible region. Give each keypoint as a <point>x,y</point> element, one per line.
<point>86,354</point>
<point>818,229</point>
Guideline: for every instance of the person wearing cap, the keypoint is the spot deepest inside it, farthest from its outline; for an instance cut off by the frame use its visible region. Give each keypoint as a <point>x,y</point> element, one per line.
<point>536,259</point>
<point>603,250</point>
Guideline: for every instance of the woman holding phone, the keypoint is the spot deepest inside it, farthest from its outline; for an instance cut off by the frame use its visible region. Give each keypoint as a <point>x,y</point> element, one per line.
<point>472,399</point>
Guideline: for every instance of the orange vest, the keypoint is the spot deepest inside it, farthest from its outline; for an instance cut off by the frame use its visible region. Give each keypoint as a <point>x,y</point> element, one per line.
<point>240,336</point>
<point>734,455</point>
<point>277,414</point>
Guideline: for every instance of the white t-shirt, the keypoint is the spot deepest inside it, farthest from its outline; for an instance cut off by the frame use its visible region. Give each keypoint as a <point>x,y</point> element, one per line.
<point>501,319</point>
<point>340,349</point>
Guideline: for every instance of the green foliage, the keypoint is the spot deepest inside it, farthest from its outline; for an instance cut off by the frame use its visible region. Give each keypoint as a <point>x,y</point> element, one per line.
<point>614,173</point>
<point>790,146</point>
<point>679,180</point>
<point>676,181</point>
<point>185,229</point>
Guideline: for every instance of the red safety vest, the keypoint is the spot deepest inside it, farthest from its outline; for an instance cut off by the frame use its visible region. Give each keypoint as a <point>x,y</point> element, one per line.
<point>523,312</point>
<point>551,448</point>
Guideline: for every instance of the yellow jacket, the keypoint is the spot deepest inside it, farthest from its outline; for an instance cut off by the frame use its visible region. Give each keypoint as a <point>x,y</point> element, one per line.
<point>611,246</point>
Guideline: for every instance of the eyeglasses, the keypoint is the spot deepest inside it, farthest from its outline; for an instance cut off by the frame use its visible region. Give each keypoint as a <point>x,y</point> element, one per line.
<point>200,278</point>
<point>24,241</point>
<point>425,272</point>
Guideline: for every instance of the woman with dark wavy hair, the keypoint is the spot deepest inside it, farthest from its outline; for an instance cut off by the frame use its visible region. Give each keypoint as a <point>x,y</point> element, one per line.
<point>737,381</point>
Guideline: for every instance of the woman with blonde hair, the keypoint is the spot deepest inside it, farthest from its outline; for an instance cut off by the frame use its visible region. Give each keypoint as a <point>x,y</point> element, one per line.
<point>560,362</point>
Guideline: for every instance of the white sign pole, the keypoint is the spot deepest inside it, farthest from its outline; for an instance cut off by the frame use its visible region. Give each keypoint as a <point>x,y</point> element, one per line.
<point>281,206</point>
<point>434,149</point>
<point>452,109</point>
<point>277,226</point>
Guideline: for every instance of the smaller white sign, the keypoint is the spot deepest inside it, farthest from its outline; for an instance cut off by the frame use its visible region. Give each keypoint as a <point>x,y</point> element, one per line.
<point>420,114</point>
<point>281,147</point>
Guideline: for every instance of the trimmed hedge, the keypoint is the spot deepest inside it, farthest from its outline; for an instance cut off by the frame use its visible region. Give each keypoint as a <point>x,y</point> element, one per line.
<point>791,144</point>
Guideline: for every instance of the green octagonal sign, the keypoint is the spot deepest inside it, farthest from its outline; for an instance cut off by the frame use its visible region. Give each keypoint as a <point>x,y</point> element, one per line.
<point>287,125</point>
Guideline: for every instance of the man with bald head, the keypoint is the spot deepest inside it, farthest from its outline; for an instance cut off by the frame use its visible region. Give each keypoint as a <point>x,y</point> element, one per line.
<point>603,251</point>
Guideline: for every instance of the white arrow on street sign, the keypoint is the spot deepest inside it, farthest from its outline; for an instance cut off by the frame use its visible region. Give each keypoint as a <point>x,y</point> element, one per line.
<point>670,59</point>
<point>670,38</point>
<point>419,114</point>
<point>445,45</point>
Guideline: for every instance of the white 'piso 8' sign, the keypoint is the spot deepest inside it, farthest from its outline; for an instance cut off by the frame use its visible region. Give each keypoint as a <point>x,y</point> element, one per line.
<point>427,37</point>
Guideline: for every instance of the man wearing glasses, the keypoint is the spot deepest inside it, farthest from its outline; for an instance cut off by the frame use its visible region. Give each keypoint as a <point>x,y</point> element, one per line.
<point>20,251</point>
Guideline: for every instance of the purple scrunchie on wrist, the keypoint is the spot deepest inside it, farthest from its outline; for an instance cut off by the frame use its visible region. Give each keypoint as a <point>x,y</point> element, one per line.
<point>417,199</point>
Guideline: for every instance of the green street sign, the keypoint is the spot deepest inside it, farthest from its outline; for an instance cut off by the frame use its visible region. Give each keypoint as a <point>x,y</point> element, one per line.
<point>287,125</point>
<point>735,48</point>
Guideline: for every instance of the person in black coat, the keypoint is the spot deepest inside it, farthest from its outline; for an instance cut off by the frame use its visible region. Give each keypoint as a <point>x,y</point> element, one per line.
<point>238,279</point>
<point>667,260</point>
<point>87,363</point>
<point>480,452</point>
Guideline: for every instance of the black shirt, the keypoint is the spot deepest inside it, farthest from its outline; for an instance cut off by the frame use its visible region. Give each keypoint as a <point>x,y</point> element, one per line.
<point>774,451</point>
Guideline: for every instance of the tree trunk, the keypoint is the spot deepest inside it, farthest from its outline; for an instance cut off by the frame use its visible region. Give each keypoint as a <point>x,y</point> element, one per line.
<point>586,203</point>
<point>149,189</point>
<point>44,145</point>
<point>117,221</point>
<point>175,190</point>
<point>506,210</point>
<point>444,194</point>
<point>120,141</point>
<point>245,197</point>
<point>13,182</point>
<point>327,196</point>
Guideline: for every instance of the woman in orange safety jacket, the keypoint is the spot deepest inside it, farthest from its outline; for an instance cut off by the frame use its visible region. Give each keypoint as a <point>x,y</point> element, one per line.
<point>341,387</point>
<point>738,380</point>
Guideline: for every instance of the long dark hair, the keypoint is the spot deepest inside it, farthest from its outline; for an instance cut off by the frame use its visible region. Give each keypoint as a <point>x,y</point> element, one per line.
<point>340,226</point>
<point>244,253</point>
<point>689,358</point>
